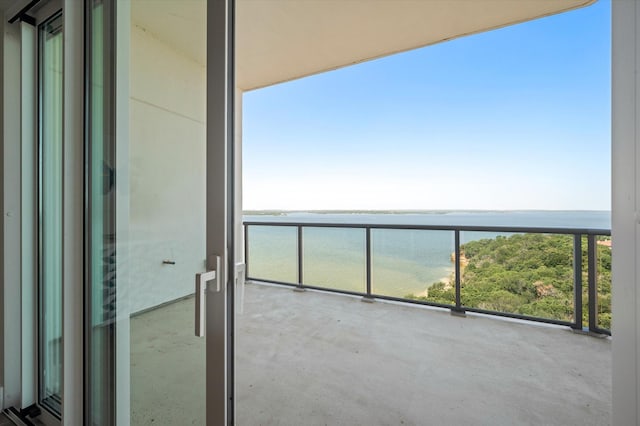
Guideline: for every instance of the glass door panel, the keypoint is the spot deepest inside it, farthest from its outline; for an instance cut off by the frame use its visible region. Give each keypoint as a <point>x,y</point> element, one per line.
<point>147,155</point>
<point>50,197</point>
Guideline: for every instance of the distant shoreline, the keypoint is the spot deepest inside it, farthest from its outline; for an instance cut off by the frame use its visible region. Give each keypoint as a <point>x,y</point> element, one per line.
<point>286,212</point>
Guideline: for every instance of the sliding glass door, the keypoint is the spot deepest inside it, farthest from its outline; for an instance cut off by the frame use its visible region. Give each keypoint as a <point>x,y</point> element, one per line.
<point>157,201</point>
<point>127,318</point>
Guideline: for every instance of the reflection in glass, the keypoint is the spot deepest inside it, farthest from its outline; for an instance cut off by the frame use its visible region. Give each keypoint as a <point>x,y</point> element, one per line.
<point>165,219</point>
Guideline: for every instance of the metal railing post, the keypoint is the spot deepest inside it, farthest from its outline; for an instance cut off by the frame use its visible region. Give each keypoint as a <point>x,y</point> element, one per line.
<point>593,290</point>
<point>246,250</point>
<point>458,308</point>
<point>300,276</point>
<point>577,281</point>
<point>368,243</point>
<point>367,238</point>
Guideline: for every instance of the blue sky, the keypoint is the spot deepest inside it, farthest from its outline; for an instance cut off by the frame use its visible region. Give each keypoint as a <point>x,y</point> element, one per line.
<point>516,118</point>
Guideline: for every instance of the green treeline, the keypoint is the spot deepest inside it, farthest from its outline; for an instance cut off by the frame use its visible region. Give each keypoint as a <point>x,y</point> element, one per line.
<point>528,274</point>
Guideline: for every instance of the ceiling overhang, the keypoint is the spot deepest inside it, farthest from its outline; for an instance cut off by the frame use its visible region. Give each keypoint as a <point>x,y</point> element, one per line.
<point>280,40</point>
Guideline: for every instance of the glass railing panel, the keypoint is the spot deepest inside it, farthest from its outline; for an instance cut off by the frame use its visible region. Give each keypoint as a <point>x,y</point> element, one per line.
<point>334,258</point>
<point>524,274</point>
<point>273,253</point>
<point>413,264</point>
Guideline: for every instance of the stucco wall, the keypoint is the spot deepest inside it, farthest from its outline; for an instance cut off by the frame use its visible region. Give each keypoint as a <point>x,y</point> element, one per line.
<point>167,171</point>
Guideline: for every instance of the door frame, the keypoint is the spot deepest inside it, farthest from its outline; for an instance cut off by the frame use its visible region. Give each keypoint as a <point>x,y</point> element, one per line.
<point>220,225</point>
<point>18,348</point>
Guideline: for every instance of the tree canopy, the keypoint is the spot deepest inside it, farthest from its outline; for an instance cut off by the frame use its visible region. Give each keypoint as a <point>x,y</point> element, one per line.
<point>528,274</point>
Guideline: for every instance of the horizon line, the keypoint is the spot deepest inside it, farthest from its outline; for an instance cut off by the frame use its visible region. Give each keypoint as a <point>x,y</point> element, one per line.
<point>263,211</point>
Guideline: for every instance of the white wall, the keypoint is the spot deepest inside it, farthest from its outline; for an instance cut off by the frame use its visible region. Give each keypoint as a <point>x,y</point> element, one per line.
<point>167,171</point>
<point>625,212</point>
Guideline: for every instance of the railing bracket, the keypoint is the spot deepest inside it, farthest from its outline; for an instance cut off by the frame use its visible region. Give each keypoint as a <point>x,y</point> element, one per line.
<point>299,289</point>
<point>366,299</point>
<point>597,335</point>
<point>586,332</point>
<point>456,312</point>
<point>583,330</point>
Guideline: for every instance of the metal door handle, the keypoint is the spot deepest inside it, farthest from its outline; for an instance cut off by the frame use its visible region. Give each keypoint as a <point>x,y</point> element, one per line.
<point>201,287</point>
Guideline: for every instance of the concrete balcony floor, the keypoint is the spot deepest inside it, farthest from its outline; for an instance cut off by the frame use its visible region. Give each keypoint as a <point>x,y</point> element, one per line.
<point>326,359</point>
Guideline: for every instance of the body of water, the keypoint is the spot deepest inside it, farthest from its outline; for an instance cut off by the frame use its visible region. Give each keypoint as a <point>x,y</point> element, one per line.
<point>403,261</point>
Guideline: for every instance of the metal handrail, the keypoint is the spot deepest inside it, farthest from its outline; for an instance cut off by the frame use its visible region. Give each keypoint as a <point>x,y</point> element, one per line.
<point>469,228</point>
<point>457,306</point>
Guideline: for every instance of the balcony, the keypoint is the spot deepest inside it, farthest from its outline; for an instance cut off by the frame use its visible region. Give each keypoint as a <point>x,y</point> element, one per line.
<point>316,358</point>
